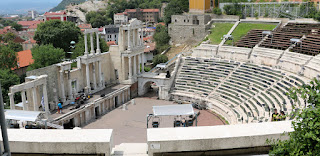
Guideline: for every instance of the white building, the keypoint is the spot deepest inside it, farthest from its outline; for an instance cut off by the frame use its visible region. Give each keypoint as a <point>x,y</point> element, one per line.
<point>120,18</point>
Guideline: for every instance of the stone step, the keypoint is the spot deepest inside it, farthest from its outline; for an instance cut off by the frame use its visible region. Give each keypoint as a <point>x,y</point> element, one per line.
<point>130,149</point>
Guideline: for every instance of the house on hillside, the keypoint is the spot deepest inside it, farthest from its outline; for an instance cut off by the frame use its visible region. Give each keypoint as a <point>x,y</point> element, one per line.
<point>59,15</point>
<point>29,25</point>
<point>146,15</point>
<point>24,59</point>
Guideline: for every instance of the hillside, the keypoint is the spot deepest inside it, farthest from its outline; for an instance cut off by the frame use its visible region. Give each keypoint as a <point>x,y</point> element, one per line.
<point>62,5</point>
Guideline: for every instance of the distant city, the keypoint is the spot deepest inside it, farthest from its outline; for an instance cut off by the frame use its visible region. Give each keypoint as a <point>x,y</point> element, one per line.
<point>22,6</point>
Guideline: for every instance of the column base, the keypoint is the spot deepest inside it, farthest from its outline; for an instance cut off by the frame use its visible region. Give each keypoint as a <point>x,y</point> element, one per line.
<point>87,90</point>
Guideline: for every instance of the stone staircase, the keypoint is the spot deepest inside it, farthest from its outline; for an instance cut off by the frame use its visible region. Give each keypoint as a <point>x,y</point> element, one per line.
<point>130,149</point>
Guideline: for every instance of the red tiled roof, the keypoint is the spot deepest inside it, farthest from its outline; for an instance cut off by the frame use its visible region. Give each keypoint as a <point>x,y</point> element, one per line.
<point>149,47</point>
<point>122,13</point>
<point>5,30</point>
<point>111,43</point>
<point>101,29</point>
<point>161,23</point>
<point>150,10</point>
<point>85,26</point>
<point>55,13</point>
<point>148,38</point>
<point>24,58</point>
<point>29,23</point>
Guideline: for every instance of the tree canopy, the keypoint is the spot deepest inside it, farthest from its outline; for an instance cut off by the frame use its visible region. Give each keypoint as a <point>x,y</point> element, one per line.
<point>161,38</point>
<point>159,59</point>
<point>80,48</point>
<point>305,139</point>
<point>7,79</point>
<point>46,55</point>
<point>8,58</point>
<point>57,33</point>
<point>175,7</point>
<point>98,19</point>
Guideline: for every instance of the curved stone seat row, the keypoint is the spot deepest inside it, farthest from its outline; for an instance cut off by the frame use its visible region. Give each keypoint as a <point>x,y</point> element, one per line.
<point>250,92</point>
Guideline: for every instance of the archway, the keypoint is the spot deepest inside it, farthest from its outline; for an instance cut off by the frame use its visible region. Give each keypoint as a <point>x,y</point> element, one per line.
<point>151,89</point>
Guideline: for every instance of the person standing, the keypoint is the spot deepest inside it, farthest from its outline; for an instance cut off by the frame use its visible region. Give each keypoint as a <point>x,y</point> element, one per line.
<point>275,115</point>
<point>59,108</point>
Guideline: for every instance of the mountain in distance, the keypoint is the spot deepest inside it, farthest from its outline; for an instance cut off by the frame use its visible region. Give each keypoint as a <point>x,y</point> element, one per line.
<point>62,5</point>
<point>23,6</point>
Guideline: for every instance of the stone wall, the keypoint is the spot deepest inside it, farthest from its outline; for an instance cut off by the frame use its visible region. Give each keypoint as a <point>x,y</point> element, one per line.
<point>52,82</point>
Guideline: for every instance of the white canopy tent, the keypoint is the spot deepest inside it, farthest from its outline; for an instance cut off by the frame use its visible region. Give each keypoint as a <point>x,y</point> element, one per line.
<point>173,110</point>
<point>22,115</point>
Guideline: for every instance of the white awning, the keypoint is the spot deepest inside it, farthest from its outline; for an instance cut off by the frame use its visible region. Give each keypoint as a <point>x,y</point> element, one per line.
<point>173,110</point>
<point>22,115</point>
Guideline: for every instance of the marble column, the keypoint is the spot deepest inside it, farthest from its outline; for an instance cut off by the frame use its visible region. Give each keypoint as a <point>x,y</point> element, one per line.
<point>139,63</point>
<point>129,34</point>
<point>70,89</point>
<point>142,36</point>
<point>123,98</point>
<point>134,37</point>
<point>11,96</point>
<point>130,68</point>
<point>85,44</point>
<point>91,43</point>
<point>45,99</point>
<point>134,65</point>
<point>94,75</point>
<point>23,96</point>
<point>142,62</point>
<point>88,77</point>
<point>35,99</point>
<point>98,44</point>
<point>129,93</point>
<point>63,96</point>
<point>100,75</point>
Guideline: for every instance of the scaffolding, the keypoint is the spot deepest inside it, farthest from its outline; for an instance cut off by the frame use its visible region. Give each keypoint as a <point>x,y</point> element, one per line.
<point>6,151</point>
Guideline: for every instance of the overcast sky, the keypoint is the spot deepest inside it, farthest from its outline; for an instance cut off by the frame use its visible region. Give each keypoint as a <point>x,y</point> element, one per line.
<point>22,6</point>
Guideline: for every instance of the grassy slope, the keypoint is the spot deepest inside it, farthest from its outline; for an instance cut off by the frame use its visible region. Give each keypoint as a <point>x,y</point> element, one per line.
<point>62,5</point>
<point>218,31</point>
<point>243,28</point>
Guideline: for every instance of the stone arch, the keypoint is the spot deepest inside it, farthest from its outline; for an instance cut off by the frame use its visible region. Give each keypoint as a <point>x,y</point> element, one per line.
<point>143,85</point>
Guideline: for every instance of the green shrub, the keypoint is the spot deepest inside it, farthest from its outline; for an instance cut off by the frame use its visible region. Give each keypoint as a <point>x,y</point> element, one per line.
<point>159,59</point>
<point>217,11</point>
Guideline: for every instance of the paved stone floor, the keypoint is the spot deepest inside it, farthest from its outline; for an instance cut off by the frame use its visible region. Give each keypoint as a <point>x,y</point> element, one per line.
<point>130,125</point>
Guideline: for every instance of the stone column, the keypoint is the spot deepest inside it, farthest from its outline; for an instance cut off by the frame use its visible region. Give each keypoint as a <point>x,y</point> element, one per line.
<point>98,44</point>
<point>123,97</point>
<point>100,75</point>
<point>129,44</point>
<point>61,18</point>
<point>23,97</point>
<point>94,75</point>
<point>91,43</point>
<point>11,96</point>
<point>35,99</point>
<point>129,93</point>
<point>63,96</point>
<point>85,44</point>
<point>134,38</point>
<point>45,99</point>
<point>88,77</point>
<point>134,65</point>
<point>142,62</point>
<point>139,63</point>
<point>142,36</point>
<point>70,89</point>
<point>130,68</point>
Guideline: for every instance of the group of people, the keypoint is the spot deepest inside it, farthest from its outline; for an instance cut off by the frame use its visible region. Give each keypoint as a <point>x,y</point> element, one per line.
<point>278,117</point>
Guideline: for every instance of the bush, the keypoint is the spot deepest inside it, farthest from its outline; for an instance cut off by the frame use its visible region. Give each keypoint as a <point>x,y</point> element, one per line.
<point>147,69</point>
<point>159,59</point>
<point>217,11</point>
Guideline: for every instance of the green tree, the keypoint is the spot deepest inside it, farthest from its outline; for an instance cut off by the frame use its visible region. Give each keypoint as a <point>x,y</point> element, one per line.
<point>7,79</point>
<point>16,26</point>
<point>159,59</point>
<point>305,139</point>
<point>98,19</point>
<point>175,7</point>
<point>80,48</point>
<point>57,33</point>
<point>16,47</point>
<point>8,58</point>
<point>46,55</point>
<point>161,38</point>
<point>9,36</point>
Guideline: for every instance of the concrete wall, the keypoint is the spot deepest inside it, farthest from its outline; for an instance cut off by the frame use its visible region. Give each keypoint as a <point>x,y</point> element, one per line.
<point>25,141</point>
<point>192,139</point>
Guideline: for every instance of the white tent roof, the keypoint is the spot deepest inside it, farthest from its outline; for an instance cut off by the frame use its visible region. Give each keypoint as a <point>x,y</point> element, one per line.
<point>173,110</point>
<point>22,115</point>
